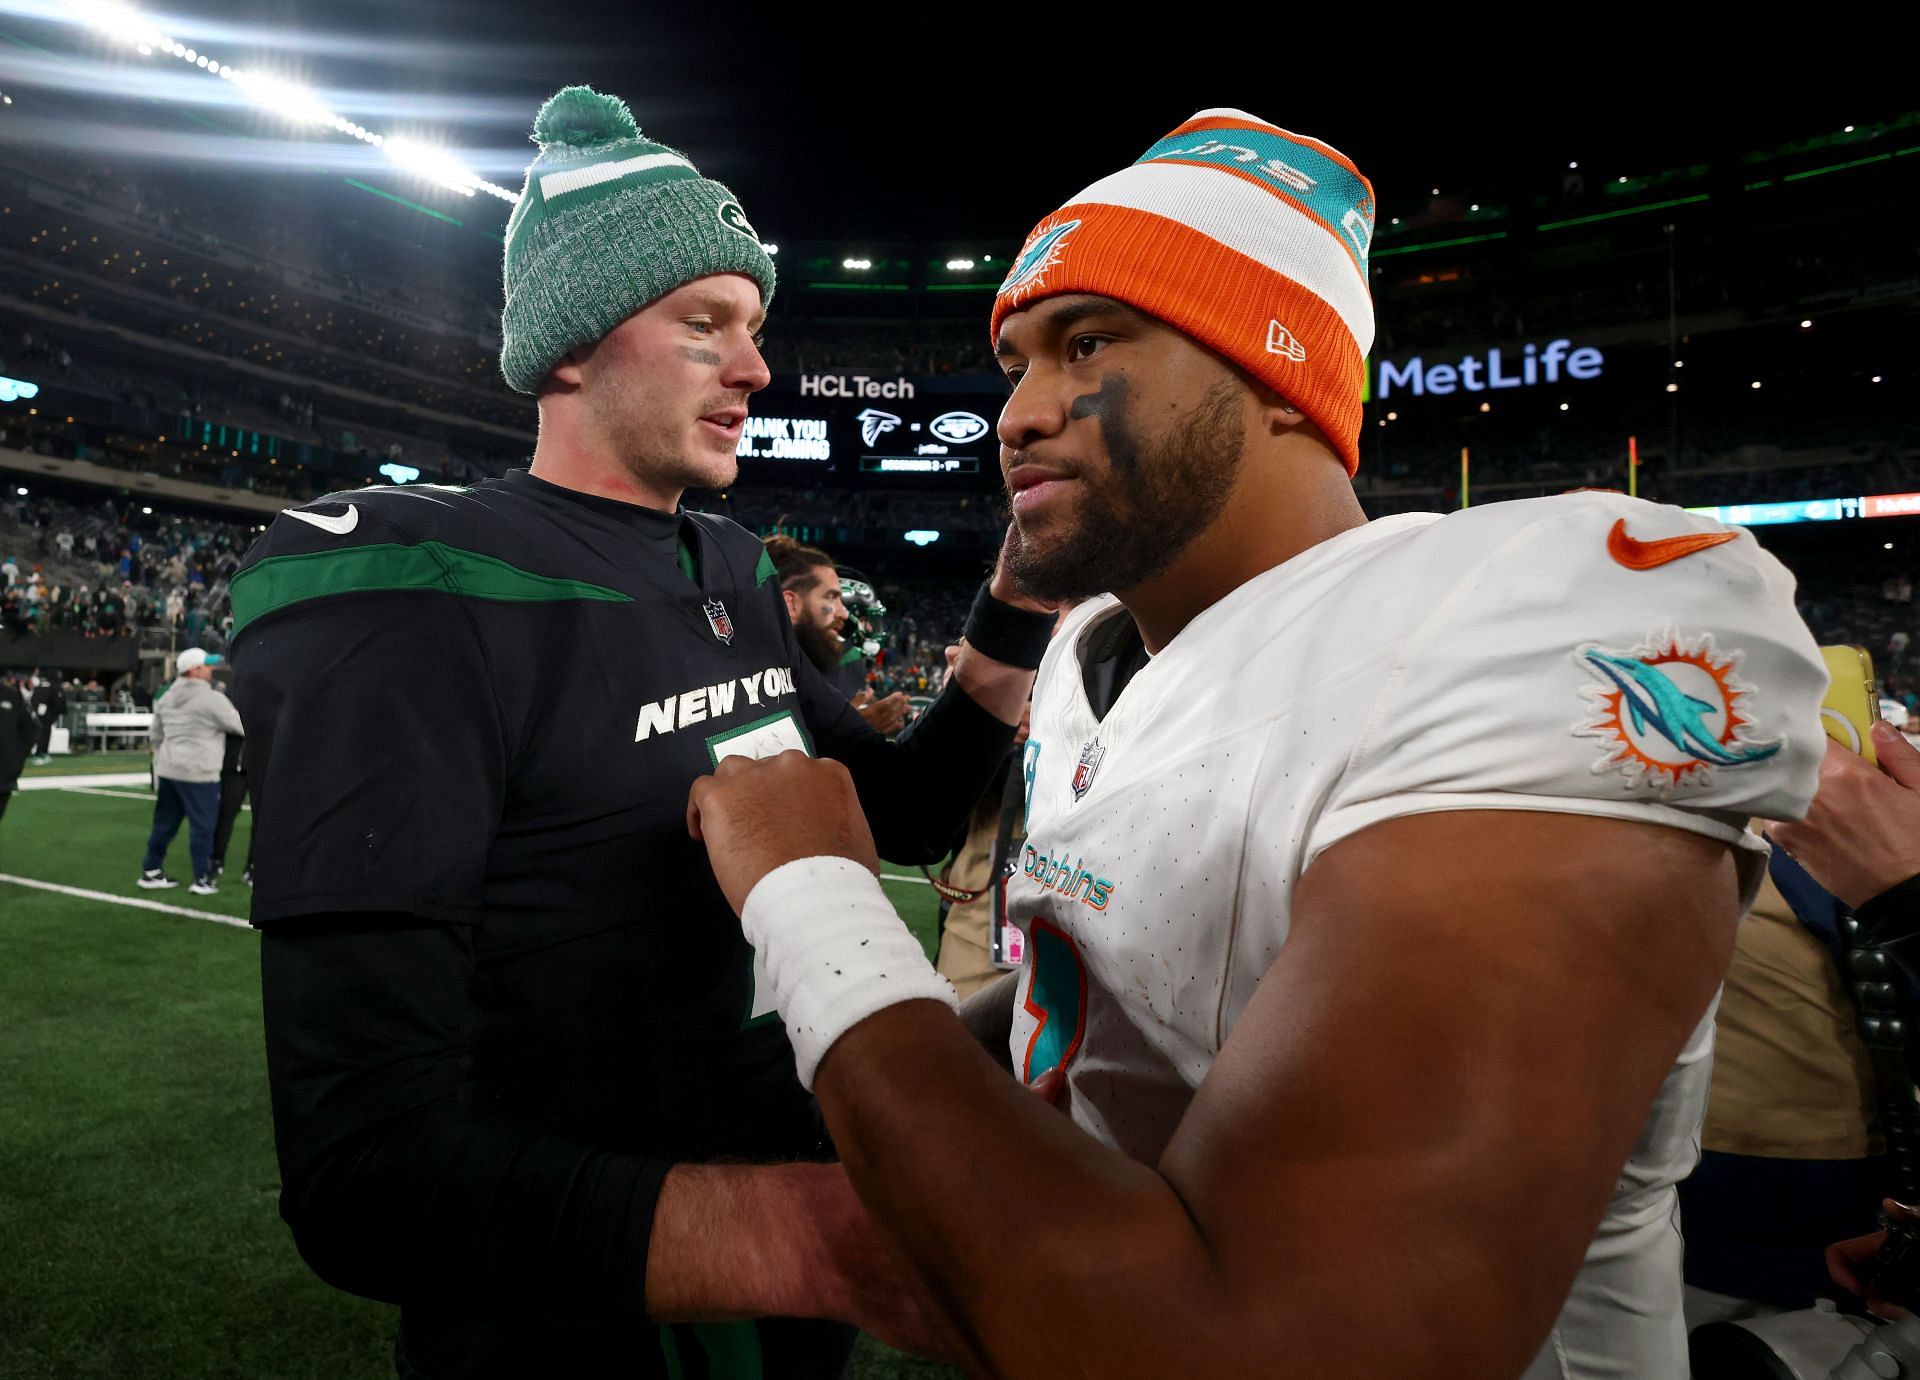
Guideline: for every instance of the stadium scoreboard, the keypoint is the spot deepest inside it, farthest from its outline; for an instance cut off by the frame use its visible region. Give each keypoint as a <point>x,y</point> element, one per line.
<point>868,428</point>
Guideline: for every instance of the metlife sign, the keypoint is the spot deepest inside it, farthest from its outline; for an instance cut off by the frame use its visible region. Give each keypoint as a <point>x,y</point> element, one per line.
<point>1497,369</point>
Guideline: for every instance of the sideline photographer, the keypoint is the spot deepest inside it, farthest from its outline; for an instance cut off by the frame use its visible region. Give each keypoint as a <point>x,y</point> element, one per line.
<point>1861,840</point>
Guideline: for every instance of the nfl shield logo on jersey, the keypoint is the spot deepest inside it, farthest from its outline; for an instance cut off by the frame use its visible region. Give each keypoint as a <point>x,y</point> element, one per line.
<point>1083,771</point>
<point>718,620</point>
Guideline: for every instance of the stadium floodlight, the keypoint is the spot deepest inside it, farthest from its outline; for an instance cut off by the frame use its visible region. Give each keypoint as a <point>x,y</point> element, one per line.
<point>148,512</point>
<point>959,265</point>
<point>287,99</point>
<point>858,265</point>
<point>1847,130</point>
<point>1563,407</point>
<point>22,491</point>
<point>434,164</point>
<point>771,248</point>
<point>1876,378</point>
<point>1573,167</point>
<point>1806,325</point>
<point>1756,383</point>
<point>115,19</point>
<point>1673,388</point>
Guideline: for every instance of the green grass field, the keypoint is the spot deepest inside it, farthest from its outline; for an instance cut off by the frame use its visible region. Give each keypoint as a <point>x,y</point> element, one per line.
<point>138,1190</point>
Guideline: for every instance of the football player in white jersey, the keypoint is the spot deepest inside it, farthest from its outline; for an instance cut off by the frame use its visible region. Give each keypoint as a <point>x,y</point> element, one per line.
<point>1380,876</point>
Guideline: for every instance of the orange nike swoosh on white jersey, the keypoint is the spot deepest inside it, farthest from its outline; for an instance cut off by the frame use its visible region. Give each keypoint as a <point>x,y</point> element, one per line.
<point>1646,555</point>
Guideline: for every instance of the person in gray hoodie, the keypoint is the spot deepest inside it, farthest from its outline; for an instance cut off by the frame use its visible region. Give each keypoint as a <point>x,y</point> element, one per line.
<point>190,726</point>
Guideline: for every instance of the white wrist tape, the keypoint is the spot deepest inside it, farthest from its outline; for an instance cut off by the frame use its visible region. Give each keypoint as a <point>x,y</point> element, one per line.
<point>834,952</point>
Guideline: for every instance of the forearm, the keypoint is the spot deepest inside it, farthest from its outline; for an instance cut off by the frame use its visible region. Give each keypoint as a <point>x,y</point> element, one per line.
<point>916,791</point>
<point>988,1017</point>
<point>452,1208</point>
<point>1097,1270</point>
<point>1000,689</point>
<point>743,1241</point>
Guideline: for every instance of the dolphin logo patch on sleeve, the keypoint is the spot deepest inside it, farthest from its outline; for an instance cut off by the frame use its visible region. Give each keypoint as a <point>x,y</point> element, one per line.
<point>1669,711</point>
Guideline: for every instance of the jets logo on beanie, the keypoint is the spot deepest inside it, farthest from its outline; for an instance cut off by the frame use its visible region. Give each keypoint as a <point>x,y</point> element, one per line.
<point>1250,239</point>
<point>608,222</point>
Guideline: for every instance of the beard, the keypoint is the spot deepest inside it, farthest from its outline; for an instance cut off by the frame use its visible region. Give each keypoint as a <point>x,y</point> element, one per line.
<point>1130,525</point>
<point>823,646</point>
<point>653,448</point>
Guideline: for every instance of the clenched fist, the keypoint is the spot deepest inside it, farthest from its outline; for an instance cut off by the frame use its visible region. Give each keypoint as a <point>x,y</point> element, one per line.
<point>756,816</point>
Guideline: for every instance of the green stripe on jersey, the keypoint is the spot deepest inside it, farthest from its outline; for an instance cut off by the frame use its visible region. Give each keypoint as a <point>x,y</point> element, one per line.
<point>280,581</point>
<point>764,571</point>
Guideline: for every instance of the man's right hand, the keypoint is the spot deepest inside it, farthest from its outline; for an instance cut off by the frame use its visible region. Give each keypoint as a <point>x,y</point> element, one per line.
<point>1862,832</point>
<point>872,1282</point>
<point>1849,1261</point>
<point>884,716</point>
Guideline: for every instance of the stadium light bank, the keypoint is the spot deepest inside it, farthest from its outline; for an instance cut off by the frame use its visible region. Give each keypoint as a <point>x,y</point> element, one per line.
<point>287,99</point>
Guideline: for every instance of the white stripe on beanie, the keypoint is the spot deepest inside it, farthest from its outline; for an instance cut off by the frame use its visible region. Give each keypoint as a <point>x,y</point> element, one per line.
<point>1252,221</point>
<point>593,174</point>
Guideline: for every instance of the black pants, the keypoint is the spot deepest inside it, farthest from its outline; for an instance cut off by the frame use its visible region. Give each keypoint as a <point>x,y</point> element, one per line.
<point>1758,1228</point>
<point>5,796</point>
<point>233,794</point>
<point>45,746</point>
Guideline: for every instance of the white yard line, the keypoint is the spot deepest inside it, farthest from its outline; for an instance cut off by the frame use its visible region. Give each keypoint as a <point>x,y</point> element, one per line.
<point>102,778</point>
<point>133,795</point>
<point>218,919</point>
<point>133,901</point>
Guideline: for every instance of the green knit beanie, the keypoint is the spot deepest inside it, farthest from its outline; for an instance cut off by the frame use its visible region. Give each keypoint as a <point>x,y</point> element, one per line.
<point>608,222</point>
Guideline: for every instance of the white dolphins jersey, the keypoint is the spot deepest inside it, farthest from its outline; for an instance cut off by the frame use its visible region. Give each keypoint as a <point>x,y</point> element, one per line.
<point>1586,654</point>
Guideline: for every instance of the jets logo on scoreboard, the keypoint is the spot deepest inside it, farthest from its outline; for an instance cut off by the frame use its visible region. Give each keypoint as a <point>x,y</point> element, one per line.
<point>719,620</point>
<point>1084,769</point>
<point>958,428</point>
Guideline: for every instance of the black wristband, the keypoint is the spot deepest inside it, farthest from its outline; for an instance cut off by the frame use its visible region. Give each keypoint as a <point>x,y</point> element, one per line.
<point>1005,633</point>
<point>1893,915</point>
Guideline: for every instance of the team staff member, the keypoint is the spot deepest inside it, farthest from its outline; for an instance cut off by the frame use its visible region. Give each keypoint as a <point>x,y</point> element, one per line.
<point>810,586</point>
<point>510,1021</point>
<point>1379,876</point>
<point>49,707</point>
<point>17,734</point>
<point>233,797</point>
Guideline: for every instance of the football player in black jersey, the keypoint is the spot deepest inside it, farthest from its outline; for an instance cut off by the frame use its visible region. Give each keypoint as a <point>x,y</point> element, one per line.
<point>525,1083</point>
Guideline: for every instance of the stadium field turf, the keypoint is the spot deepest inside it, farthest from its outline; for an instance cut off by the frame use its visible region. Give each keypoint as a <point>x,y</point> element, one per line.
<point>138,1190</point>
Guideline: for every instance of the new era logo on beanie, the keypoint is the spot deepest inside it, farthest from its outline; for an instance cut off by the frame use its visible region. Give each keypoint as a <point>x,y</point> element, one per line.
<point>1251,239</point>
<point>608,222</point>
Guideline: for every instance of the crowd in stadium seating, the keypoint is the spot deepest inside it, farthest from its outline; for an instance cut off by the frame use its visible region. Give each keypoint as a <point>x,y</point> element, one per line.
<point>104,570</point>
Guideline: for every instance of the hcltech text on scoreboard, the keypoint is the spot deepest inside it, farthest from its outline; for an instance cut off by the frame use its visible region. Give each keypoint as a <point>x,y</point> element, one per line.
<point>856,386</point>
